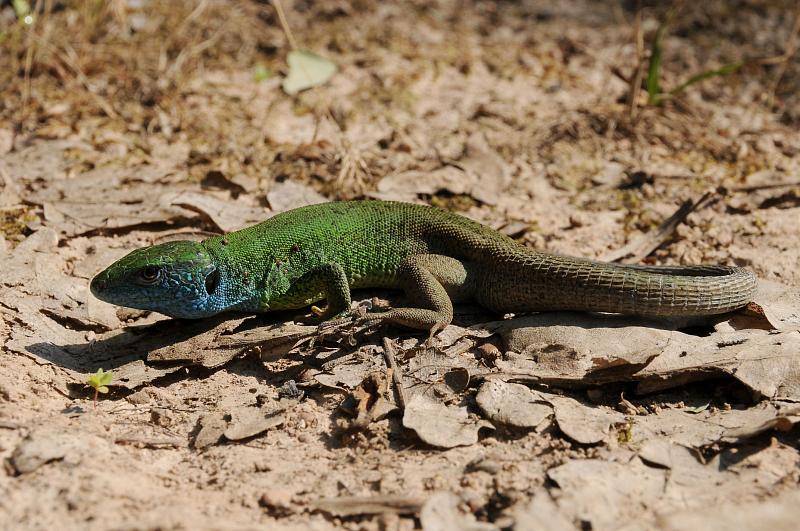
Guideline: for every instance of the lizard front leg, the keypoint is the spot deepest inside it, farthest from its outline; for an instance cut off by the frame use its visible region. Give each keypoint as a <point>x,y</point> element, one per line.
<point>433,281</point>
<point>328,281</point>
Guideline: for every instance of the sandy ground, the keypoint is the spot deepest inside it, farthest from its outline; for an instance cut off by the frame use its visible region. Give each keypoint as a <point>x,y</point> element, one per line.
<point>126,122</point>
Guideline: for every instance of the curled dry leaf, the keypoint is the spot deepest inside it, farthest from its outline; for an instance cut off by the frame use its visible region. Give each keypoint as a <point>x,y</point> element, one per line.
<point>662,452</point>
<point>407,185</point>
<point>214,342</point>
<point>582,348</point>
<point>766,363</point>
<point>487,167</point>
<point>81,204</point>
<point>432,371</point>
<point>780,305</point>
<point>696,430</point>
<point>784,421</point>
<point>373,400</point>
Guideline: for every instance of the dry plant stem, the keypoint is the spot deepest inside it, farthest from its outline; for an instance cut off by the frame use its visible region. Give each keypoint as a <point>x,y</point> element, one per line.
<point>397,377</point>
<point>70,58</point>
<point>187,53</point>
<point>26,95</point>
<point>636,79</point>
<point>783,60</point>
<point>284,23</point>
<point>770,186</point>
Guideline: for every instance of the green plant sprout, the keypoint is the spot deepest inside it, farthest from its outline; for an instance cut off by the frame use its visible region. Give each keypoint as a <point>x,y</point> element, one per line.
<point>100,381</point>
<point>655,96</point>
<point>260,73</point>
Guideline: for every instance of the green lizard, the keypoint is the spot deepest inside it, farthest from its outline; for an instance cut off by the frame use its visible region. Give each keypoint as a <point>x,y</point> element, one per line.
<point>321,252</point>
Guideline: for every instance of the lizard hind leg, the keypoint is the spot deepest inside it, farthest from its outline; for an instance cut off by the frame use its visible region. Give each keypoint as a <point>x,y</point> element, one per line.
<point>432,281</point>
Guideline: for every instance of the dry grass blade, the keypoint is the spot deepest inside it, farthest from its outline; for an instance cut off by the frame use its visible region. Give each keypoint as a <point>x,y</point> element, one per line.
<point>636,79</point>
<point>284,24</point>
<point>789,51</point>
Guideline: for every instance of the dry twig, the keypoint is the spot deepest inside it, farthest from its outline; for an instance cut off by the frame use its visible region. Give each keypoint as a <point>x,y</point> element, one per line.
<point>397,377</point>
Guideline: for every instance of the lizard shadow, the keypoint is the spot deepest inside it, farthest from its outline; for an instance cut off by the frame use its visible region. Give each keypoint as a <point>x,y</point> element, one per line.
<point>136,342</point>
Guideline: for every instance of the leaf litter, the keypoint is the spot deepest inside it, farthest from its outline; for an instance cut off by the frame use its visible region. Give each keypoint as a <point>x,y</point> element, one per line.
<point>594,420</point>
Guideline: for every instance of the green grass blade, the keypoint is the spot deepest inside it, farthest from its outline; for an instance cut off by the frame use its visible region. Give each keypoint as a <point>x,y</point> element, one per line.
<point>722,71</point>
<point>654,67</point>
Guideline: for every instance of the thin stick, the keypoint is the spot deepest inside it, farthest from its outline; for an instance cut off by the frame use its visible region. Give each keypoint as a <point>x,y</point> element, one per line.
<point>284,23</point>
<point>397,377</point>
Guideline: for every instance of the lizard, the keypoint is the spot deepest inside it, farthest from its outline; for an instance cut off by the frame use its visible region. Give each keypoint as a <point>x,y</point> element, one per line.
<point>320,252</point>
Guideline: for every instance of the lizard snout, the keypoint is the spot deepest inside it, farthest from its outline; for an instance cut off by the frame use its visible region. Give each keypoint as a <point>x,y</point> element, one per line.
<point>97,286</point>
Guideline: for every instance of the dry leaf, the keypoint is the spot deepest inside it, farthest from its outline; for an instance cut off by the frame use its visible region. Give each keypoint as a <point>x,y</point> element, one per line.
<point>226,214</point>
<point>577,350</point>
<point>212,427</point>
<point>784,421</point>
<point>778,514</point>
<point>38,448</point>
<point>287,195</point>
<point>440,425</point>
<point>485,167</point>
<point>601,493</point>
<point>540,514</point>
<point>581,423</point>
<point>248,422</point>
<point>306,70</point>
<point>512,404</point>
<point>441,513</point>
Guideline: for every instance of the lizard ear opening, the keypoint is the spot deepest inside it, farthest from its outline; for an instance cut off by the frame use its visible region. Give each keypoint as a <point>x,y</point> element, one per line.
<point>212,281</point>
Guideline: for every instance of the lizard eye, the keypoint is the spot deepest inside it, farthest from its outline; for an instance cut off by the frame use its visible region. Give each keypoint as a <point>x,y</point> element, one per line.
<point>149,274</point>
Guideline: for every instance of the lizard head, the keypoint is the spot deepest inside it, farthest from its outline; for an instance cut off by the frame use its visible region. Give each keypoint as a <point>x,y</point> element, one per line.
<point>177,278</point>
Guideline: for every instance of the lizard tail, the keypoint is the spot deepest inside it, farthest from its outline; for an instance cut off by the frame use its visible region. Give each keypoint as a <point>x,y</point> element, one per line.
<point>662,290</point>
